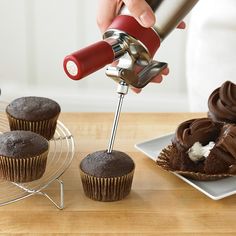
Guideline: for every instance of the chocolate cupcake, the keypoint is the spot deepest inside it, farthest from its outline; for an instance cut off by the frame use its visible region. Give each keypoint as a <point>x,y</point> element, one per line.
<point>201,149</point>
<point>107,176</point>
<point>36,114</point>
<point>196,130</point>
<point>23,156</point>
<point>222,158</point>
<point>222,103</point>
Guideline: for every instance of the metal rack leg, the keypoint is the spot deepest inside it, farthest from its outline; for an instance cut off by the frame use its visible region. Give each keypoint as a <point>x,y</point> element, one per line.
<point>59,205</point>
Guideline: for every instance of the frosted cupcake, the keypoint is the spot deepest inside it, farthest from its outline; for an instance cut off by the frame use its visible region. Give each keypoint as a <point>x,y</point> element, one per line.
<point>202,149</point>
<point>222,103</point>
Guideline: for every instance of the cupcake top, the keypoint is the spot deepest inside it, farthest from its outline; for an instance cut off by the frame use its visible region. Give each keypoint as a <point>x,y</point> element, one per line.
<point>103,164</point>
<point>201,130</point>
<point>222,103</point>
<point>22,144</point>
<point>33,108</point>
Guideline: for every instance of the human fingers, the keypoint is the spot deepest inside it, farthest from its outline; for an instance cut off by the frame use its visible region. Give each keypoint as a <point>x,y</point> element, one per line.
<point>157,79</point>
<point>136,90</point>
<point>141,11</point>
<point>181,25</point>
<point>165,71</point>
<point>107,11</point>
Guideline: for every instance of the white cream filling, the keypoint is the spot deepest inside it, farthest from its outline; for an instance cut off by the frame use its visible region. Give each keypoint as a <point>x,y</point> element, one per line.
<point>198,152</point>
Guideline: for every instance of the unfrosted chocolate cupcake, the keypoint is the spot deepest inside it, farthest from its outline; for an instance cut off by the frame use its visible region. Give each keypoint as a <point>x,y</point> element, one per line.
<point>222,103</point>
<point>37,114</point>
<point>201,149</point>
<point>23,156</point>
<point>107,176</point>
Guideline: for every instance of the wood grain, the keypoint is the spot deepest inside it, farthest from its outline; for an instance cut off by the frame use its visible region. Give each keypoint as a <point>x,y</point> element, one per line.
<point>159,203</point>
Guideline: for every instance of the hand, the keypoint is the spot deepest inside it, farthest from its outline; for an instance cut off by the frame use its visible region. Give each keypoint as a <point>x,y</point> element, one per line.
<point>139,9</point>
<point>109,9</point>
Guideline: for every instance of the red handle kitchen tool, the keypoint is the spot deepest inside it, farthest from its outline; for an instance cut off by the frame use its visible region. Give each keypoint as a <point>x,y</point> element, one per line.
<point>124,36</point>
<point>88,60</point>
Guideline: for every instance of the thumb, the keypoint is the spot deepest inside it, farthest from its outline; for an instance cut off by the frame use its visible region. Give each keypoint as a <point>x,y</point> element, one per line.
<point>141,11</point>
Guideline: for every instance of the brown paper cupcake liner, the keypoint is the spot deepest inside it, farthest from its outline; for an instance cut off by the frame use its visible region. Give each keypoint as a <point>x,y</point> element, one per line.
<point>106,189</point>
<point>164,162</point>
<point>46,128</point>
<point>22,170</point>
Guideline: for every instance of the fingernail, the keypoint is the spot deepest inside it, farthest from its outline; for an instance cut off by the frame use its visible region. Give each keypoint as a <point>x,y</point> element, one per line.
<point>147,19</point>
<point>136,90</point>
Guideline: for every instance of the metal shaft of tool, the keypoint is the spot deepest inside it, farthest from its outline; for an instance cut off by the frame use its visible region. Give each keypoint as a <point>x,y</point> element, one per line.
<point>122,90</point>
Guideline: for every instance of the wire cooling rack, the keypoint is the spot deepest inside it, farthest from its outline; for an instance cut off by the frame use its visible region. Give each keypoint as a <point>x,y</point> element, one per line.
<point>61,153</point>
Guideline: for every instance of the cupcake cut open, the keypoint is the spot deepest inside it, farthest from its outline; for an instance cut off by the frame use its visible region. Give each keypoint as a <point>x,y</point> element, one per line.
<point>201,149</point>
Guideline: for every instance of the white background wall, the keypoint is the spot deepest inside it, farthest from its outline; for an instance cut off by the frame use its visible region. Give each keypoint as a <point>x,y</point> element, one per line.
<point>37,34</point>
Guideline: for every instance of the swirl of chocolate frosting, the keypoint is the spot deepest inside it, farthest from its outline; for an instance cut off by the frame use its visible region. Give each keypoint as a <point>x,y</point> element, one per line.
<point>222,103</point>
<point>201,130</point>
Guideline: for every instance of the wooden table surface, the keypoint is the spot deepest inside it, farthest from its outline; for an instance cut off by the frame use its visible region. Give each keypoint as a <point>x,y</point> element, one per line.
<point>159,203</point>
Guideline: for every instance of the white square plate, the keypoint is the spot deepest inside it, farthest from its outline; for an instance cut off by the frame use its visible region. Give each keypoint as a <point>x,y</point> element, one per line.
<point>214,189</point>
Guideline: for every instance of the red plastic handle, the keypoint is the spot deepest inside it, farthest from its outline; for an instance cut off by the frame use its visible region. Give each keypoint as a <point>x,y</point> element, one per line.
<point>88,60</point>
